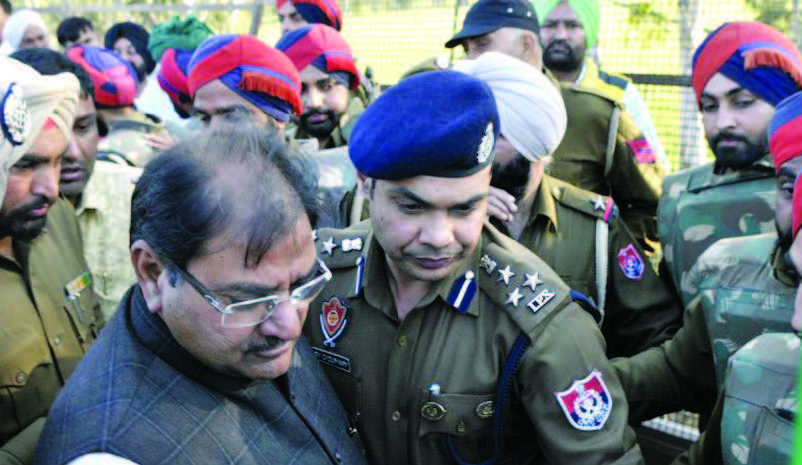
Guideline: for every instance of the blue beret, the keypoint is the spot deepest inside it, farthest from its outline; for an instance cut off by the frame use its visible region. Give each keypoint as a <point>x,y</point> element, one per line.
<point>440,123</point>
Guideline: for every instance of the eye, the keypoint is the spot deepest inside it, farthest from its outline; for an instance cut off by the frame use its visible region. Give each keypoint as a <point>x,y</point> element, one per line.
<point>708,107</point>
<point>410,207</point>
<point>464,210</point>
<point>325,85</point>
<point>744,102</point>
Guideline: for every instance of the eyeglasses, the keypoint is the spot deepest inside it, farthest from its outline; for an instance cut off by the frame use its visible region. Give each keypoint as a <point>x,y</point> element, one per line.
<point>252,312</point>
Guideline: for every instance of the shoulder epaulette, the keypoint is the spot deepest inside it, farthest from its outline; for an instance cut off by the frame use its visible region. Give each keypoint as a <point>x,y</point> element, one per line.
<point>580,89</point>
<point>614,80</point>
<point>518,281</point>
<point>593,204</point>
<point>341,248</point>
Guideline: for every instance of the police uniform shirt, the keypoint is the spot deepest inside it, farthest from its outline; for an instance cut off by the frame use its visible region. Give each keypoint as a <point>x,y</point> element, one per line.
<point>412,386</point>
<point>563,230</point>
<point>48,319</point>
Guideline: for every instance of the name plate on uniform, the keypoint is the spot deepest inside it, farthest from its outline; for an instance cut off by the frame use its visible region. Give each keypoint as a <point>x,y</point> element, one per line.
<point>333,360</point>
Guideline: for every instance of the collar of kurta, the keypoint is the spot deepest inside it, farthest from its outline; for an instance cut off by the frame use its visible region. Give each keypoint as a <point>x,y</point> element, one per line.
<point>376,282</point>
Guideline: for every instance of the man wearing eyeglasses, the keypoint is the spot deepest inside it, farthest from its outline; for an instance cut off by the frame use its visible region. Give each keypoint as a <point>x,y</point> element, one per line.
<point>204,361</point>
<point>447,341</point>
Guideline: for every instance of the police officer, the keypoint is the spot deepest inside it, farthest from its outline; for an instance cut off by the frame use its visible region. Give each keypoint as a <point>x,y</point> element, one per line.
<point>602,151</point>
<point>743,287</point>
<point>740,73</point>
<point>576,232</point>
<point>445,339</point>
<point>50,314</point>
<point>569,33</point>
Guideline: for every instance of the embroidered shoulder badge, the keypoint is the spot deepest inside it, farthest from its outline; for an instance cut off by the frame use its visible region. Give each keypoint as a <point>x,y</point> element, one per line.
<point>486,146</point>
<point>16,121</point>
<point>587,403</point>
<point>333,319</point>
<point>631,262</point>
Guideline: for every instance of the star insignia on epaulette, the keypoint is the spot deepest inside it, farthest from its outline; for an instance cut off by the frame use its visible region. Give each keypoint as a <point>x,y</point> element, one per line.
<point>506,274</point>
<point>598,204</point>
<point>329,246</point>
<point>532,280</point>
<point>514,297</point>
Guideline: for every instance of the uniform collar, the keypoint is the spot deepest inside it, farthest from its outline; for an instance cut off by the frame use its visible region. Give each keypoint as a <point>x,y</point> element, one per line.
<point>780,266</point>
<point>762,164</point>
<point>588,69</point>
<point>544,205</point>
<point>376,281</point>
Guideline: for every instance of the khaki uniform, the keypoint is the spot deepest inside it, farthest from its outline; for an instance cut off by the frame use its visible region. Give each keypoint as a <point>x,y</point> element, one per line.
<point>742,292</point>
<point>621,89</point>
<point>414,386</point>
<point>604,152</point>
<point>49,317</point>
<point>124,143</point>
<point>579,235</point>
<point>104,215</point>
<point>704,204</point>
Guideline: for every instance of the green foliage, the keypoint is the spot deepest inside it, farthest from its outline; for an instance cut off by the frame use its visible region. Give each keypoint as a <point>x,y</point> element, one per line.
<point>775,12</point>
<point>645,21</point>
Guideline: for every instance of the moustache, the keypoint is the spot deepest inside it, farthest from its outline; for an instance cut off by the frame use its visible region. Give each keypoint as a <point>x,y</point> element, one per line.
<point>266,344</point>
<point>725,135</point>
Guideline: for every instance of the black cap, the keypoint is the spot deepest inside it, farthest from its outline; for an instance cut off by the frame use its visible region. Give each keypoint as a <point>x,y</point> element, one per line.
<point>486,16</point>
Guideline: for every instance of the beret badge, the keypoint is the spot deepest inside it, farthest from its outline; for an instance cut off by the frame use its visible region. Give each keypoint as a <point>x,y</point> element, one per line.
<point>16,122</point>
<point>486,145</point>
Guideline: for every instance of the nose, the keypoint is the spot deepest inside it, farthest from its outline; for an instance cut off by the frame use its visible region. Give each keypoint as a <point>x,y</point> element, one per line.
<point>437,231</point>
<point>560,31</point>
<point>45,181</point>
<point>73,151</point>
<point>725,118</point>
<point>286,321</point>
<point>313,98</point>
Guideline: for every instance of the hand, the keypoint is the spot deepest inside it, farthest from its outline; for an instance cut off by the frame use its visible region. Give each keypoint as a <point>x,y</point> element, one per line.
<point>160,141</point>
<point>500,204</point>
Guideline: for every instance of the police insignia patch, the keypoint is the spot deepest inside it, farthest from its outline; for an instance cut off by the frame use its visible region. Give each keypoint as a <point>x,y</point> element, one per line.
<point>333,319</point>
<point>631,262</point>
<point>16,120</point>
<point>587,403</point>
<point>486,146</point>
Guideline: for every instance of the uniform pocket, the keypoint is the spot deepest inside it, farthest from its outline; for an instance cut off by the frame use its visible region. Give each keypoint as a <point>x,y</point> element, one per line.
<point>773,439</point>
<point>462,422</point>
<point>82,315</point>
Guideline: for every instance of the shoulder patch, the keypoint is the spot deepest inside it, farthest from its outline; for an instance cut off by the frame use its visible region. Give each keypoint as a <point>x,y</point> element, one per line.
<point>613,79</point>
<point>587,403</point>
<point>591,203</point>
<point>631,263</point>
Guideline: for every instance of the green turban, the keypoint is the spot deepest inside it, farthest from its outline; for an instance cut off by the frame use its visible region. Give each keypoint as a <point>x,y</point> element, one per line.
<point>587,11</point>
<point>185,34</point>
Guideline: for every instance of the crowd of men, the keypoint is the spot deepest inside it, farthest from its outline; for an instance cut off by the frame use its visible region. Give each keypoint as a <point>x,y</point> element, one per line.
<point>214,250</point>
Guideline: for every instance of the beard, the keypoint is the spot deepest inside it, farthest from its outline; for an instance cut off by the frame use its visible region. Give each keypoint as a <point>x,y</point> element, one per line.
<point>20,224</point>
<point>319,129</point>
<point>512,177</point>
<point>737,157</point>
<point>560,56</point>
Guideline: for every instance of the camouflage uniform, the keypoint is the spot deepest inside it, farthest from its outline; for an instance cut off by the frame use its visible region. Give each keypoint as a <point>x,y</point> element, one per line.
<point>753,420</point>
<point>704,204</point>
<point>604,152</point>
<point>124,142</point>
<point>415,386</point>
<point>579,235</point>
<point>743,291</point>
